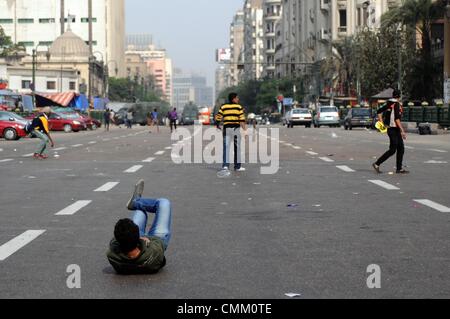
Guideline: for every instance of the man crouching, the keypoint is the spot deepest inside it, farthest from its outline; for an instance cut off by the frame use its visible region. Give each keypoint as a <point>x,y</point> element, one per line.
<point>133,250</point>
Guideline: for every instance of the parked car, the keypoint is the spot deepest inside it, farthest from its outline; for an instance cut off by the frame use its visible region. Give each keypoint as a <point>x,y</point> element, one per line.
<point>358,117</point>
<point>91,123</point>
<point>12,126</point>
<point>259,119</point>
<point>67,122</point>
<point>298,117</point>
<point>327,115</point>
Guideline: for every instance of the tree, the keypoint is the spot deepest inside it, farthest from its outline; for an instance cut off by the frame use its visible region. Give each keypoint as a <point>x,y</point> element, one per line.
<point>127,90</point>
<point>418,16</point>
<point>7,47</point>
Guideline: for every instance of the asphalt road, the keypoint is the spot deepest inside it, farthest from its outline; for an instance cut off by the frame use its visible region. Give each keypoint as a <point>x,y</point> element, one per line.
<point>312,228</point>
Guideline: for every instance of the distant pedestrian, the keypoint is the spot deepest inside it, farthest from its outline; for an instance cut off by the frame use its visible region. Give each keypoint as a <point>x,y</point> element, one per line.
<point>173,118</point>
<point>112,116</point>
<point>134,250</point>
<point>233,117</point>
<point>129,119</point>
<point>107,118</point>
<point>154,120</point>
<point>390,114</point>
<point>39,128</point>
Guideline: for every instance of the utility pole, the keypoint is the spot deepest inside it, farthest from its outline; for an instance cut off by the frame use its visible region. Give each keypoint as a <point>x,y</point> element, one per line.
<point>91,60</point>
<point>447,55</point>
<point>63,29</point>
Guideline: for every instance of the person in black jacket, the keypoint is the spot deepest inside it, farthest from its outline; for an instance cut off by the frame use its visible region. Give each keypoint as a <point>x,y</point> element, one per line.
<point>390,114</point>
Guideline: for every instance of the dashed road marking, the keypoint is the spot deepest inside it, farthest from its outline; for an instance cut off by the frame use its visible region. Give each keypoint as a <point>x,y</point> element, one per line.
<point>60,149</point>
<point>326,159</point>
<point>384,185</point>
<point>168,148</point>
<point>6,160</point>
<point>436,206</point>
<point>409,147</point>
<point>149,160</point>
<point>75,207</point>
<point>19,242</point>
<point>312,153</point>
<point>296,147</point>
<point>345,168</point>
<point>436,162</point>
<point>28,155</point>
<point>133,169</point>
<point>77,145</point>
<point>92,142</point>
<point>107,187</point>
<point>160,153</point>
<point>438,151</point>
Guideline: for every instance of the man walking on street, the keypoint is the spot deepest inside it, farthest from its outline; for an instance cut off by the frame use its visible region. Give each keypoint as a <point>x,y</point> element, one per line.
<point>173,117</point>
<point>390,114</point>
<point>233,117</point>
<point>154,120</point>
<point>40,129</point>
<point>134,250</point>
<point>129,119</point>
<point>107,118</point>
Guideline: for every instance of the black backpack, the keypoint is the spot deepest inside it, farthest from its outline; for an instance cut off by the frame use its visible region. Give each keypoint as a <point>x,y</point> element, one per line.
<point>36,122</point>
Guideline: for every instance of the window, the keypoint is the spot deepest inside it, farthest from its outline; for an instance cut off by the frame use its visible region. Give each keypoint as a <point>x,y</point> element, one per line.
<point>93,42</point>
<point>343,18</point>
<point>72,20</point>
<point>26,84</point>
<point>6,21</point>
<point>51,85</point>
<point>48,20</point>
<point>26,20</point>
<point>86,20</point>
<point>72,85</point>
<point>45,43</point>
<point>26,43</point>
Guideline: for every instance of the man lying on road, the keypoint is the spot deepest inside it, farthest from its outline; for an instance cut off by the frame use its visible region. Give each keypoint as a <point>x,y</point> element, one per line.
<point>133,250</point>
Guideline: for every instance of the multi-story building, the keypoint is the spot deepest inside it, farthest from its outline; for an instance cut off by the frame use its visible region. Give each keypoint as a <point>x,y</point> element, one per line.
<point>158,64</point>
<point>237,47</point>
<point>272,14</point>
<point>253,39</point>
<point>222,78</point>
<point>191,88</point>
<point>38,23</point>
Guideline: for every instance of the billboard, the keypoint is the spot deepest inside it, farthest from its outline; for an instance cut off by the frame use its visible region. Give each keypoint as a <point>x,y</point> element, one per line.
<point>223,55</point>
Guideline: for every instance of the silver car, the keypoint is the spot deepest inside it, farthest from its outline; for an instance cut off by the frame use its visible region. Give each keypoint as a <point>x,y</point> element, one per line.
<point>327,115</point>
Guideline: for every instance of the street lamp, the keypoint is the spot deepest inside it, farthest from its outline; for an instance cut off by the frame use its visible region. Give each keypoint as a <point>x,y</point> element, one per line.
<point>34,63</point>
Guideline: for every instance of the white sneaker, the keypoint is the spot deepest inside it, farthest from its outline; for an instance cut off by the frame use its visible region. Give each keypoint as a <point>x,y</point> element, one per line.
<point>242,169</point>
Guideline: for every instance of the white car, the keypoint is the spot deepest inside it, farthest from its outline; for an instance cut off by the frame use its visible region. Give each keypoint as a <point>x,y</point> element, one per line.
<point>298,117</point>
<point>327,115</point>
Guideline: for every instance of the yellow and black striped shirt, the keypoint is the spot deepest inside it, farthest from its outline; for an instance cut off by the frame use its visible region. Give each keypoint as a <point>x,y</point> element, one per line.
<point>232,115</point>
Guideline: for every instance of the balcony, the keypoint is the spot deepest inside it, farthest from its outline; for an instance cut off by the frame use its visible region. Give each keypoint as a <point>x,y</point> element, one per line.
<point>325,5</point>
<point>270,51</point>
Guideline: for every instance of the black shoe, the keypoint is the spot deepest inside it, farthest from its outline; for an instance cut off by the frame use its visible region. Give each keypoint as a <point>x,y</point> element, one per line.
<point>376,168</point>
<point>402,171</point>
<point>138,191</point>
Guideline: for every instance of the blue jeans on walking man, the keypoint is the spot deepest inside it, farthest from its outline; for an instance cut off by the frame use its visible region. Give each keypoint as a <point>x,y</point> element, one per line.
<point>232,134</point>
<point>44,141</point>
<point>161,226</point>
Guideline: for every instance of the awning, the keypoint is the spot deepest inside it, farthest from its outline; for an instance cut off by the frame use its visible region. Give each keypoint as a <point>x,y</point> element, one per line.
<point>63,99</point>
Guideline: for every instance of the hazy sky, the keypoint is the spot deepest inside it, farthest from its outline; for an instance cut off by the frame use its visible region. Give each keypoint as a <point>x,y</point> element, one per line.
<point>190,30</point>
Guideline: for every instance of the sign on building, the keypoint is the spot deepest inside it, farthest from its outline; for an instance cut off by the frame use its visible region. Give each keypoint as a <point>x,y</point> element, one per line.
<point>223,55</point>
<point>447,92</point>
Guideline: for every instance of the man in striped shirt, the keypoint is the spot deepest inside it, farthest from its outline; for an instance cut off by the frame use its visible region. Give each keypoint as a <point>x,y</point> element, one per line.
<point>233,117</point>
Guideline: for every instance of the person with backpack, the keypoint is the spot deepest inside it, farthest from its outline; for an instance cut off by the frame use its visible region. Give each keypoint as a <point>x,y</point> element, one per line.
<point>390,114</point>
<point>107,118</point>
<point>39,128</point>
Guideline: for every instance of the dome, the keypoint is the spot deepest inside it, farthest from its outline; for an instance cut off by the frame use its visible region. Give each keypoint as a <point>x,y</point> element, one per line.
<point>69,44</point>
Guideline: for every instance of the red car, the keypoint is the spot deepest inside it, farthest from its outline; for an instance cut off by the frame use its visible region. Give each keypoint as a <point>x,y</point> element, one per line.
<point>92,124</point>
<point>12,126</point>
<point>67,122</point>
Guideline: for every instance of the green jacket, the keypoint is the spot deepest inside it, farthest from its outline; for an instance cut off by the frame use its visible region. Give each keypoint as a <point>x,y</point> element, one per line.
<point>150,261</point>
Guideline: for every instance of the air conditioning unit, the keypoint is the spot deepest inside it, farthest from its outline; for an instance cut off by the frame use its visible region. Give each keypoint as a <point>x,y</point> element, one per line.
<point>324,35</point>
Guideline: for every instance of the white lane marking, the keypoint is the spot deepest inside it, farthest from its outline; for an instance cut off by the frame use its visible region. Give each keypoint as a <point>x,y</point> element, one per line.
<point>116,138</point>
<point>133,169</point>
<point>92,142</point>
<point>436,162</point>
<point>1,149</point>
<point>149,160</point>
<point>168,148</point>
<point>107,187</point>
<point>436,206</point>
<point>438,151</point>
<point>6,160</point>
<point>106,139</point>
<point>77,145</point>
<point>28,155</point>
<point>60,149</point>
<point>409,147</point>
<point>297,147</point>
<point>72,209</point>
<point>384,185</point>
<point>326,159</point>
<point>160,153</point>
<point>312,153</point>
<point>345,168</point>
<point>19,242</point>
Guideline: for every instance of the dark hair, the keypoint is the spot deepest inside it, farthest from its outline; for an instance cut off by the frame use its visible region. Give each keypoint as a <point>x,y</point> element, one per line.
<point>231,97</point>
<point>126,233</point>
<point>396,94</point>
<point>155,110</point>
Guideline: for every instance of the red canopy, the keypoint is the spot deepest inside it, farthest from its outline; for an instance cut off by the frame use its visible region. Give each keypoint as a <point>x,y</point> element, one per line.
<point>63,99</point>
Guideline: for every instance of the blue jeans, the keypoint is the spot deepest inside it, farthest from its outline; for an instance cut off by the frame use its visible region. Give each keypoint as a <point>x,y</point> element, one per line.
<point>232,134</point>
<point>161,227</point>
<point>44,141</point>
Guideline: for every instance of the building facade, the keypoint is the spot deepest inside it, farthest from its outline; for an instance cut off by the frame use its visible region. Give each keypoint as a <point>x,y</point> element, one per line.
<point>36,24</point>
<point>237,48</point>
<point>191,88</point>
<point>253,39</point>
<point>272,15</point>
